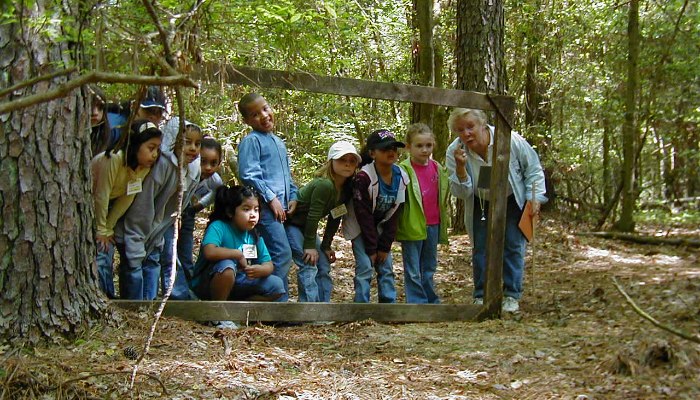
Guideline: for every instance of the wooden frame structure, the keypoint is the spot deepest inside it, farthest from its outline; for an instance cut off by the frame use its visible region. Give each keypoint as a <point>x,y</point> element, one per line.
<point>503,106</point>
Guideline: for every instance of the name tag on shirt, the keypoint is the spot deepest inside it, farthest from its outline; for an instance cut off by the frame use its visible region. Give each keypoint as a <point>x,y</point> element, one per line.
<point>134,187</point>
<point>339,211</point>
<point>250,251</point>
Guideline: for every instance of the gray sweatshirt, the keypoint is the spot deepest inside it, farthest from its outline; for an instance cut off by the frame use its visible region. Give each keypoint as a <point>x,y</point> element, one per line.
<point>154,208</point>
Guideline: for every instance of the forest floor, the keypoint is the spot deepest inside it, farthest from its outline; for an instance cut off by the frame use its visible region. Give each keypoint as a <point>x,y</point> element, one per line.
<point>575,338</point>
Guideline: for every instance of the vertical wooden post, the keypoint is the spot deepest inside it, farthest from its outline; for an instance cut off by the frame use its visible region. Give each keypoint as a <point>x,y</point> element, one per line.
<point>498,202</point>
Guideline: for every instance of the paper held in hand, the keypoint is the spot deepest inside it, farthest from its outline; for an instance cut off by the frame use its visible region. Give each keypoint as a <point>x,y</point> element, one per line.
<point>527,222</point>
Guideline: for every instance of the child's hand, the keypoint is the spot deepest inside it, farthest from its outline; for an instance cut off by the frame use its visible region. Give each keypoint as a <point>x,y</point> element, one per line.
<point>292,207</point>
<point>381,257</point>
<point>331,255</point>
<point>310,256</point>
<point>255,271</point>
<point>238,256</point>
<point>277,209</point>
<point>103,242</point>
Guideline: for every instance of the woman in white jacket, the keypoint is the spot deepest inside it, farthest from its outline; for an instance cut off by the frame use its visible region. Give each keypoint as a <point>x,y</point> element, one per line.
<point>471,150</point>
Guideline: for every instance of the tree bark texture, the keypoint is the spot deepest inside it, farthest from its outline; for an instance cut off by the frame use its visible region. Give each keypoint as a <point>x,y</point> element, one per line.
<point>48,278</point>
<point>479,56</point>
<point>423,54</point>
<point>479,51</point>
<point>626,221</point>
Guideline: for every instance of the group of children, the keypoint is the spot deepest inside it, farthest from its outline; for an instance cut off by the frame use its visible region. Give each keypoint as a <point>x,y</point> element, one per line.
<point>256,230</point>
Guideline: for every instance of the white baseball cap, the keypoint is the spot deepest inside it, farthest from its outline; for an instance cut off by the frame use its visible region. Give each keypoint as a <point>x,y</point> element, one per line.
<point>341,148</point>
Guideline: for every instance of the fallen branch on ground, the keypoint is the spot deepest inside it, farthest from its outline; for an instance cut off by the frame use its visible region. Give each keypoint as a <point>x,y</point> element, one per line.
<point>643,314</point>
<point>80,378</point>
<point>629,237</point>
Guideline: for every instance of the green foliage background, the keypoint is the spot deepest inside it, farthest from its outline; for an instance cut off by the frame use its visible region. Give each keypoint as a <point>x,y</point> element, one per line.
<point>580,48</point>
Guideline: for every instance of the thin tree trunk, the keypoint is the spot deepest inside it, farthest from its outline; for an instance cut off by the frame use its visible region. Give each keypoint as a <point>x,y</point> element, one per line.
<point>48,278</point>
<point>423,53</point>
<point>626,221</point>
<point>479,56</point>
<point>607,171</point>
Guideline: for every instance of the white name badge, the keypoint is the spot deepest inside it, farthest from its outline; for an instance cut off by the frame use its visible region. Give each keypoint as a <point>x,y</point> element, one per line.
<point>339,211</point>
<point>133,187</point>
<point>250,251</point>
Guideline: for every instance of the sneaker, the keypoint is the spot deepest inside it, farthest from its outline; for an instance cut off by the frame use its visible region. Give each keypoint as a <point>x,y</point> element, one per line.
<point>510,305</point>
<point>225,325</point>
<point>478,301</point>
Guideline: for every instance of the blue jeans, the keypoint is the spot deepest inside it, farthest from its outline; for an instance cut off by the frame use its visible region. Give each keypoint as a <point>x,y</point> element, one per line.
<point>273,233</point>
<point>513,252</point>
<point>105,270</point>
<point>181,290</point>
<point>185,242</point>
<point>270,286</point>
<point>364,270</point>
<point>139,282</point>
<point>419,265</point>
<point>315,284</point>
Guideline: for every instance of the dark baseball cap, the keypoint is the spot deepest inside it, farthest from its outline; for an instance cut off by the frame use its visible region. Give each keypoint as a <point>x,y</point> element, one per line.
<point>154,98</point>
<point>382,139</point>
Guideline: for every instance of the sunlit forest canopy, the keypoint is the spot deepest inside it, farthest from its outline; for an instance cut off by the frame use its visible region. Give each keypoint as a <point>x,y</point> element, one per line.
<point>566,64</point>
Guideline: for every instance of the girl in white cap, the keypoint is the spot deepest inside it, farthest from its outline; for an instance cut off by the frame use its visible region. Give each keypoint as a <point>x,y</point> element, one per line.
<point>325,196</point>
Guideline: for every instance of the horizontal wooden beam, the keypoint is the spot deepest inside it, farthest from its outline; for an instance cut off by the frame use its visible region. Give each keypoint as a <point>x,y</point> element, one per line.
<point>306,312</point>
<point>304,81</point>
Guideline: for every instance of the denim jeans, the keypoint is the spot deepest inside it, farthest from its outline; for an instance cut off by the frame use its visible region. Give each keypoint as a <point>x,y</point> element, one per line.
<point>364,270</point>
<point>185,241</point>
<point>181,290</point>
<point>273,233</point>
<point>139,282</point>
<point>315,284</point>
<point>270,286</point>
<point>419,265</point>
<point>513,252</point>
<point>105,270</point>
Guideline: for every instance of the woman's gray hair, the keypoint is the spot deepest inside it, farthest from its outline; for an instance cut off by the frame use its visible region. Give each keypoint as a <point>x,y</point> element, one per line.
<point>456,113</point>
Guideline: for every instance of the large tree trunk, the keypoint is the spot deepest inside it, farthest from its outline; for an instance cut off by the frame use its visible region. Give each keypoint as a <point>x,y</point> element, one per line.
<point>629,197</point>
<point>479,55</point>
<point>423,54</point>
<point>47,254</point>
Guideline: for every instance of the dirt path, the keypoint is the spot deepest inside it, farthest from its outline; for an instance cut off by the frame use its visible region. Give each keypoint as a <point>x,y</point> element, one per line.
<point>575,338</point>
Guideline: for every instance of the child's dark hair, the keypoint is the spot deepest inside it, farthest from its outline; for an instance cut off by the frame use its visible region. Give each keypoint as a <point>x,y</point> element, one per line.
<point>101,133</point>
<point>364,152</point>
<point>142,130</point>
<point>227,199</point>
<point>209,142</point>
<point>245,101</point>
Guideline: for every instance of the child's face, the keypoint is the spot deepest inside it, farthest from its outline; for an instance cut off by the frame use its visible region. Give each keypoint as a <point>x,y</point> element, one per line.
<point>421,148</point>
<point>148,152</point>
<point>193,143</point>
<point>259,116</point>
<point>386,156</point>
<point>153,114</point>
<point>345,166</point>
<point>210,161</point>
<point>247,214</point>
<point>97,113</point>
